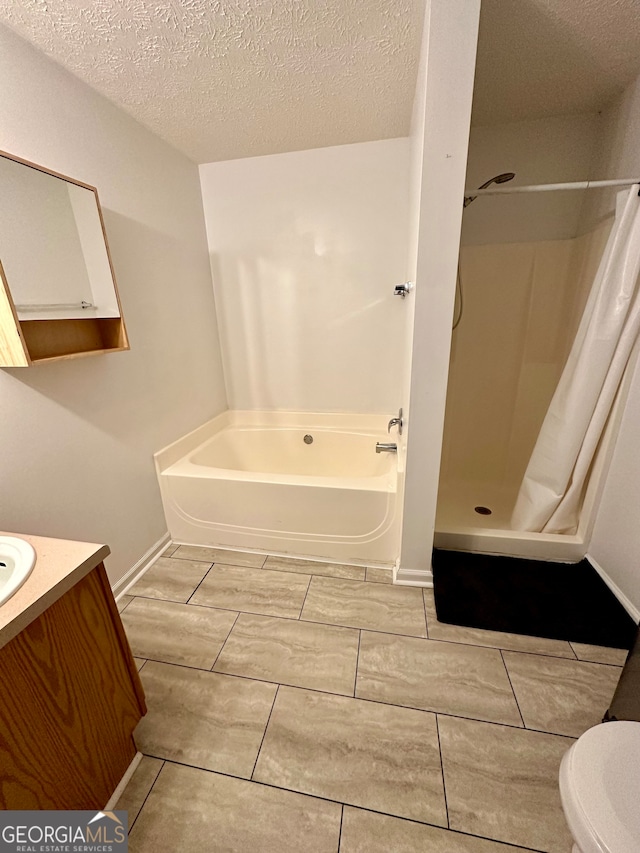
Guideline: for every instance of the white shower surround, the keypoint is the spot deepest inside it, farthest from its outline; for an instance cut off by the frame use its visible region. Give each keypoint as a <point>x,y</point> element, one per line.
<point>249,480</point>
<point>460,535</point>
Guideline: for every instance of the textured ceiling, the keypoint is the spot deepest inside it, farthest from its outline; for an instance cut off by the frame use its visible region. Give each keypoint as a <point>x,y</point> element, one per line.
<point>549,57</point>
<point>222,79</point>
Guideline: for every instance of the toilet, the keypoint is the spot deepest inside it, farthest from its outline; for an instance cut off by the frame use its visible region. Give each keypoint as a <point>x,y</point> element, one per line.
<point>600,789</point>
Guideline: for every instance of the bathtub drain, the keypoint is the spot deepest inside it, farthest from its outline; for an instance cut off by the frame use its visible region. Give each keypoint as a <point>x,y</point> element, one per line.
<point>482,510</point>
<point>308,439</point>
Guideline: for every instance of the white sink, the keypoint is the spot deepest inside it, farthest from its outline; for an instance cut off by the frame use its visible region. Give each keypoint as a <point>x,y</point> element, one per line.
<point>17,559</point>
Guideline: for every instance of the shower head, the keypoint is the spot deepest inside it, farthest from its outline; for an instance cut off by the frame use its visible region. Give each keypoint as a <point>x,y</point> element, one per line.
<point>499,179</point>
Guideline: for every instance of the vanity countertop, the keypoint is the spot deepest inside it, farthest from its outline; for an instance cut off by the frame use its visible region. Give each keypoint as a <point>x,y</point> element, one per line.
<point>60,564</point>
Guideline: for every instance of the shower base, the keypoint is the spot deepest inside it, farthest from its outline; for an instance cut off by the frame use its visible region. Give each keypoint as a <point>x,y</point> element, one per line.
<point>460,528</point>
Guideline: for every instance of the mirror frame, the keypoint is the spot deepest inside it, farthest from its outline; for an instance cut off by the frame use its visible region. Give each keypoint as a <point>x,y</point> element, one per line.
<point>27,342</point>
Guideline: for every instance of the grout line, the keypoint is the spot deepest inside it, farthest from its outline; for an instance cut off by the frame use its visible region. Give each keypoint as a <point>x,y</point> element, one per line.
<point>264,733</point>
<point>380,583</point>
<point>364,699</point>
<point>426,619</point>
<point>355,680</point>
<point>340,833</point>
<point>187,560</point>
<point>506,669</point>
<point>368,628</point>
<point>225,641</point>
<point>126,605</point>
<point>206,575</point>
<point>289,571</point>
<point>222,562</point>
<point>304,600</point>
<point>194,668</point>
<point>413,821</point>
<point>444,787</point>
<point>143,665</point>
<point>275,683</point>
<point>144,802</point>
<point>567,660</point>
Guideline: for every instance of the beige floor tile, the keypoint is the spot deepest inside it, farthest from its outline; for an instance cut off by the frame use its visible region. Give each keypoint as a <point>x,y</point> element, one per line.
<point>192,810</point>
<point>368,832</point>
<point>176,633</point>
<point>502,783</point>
<point>171,580</point>
<point>565,697</point>
<point>302,654</point>
<point>140,662</point>
<point>495,639</point>
<point>358,604</point>
<point>169,550</point>
<point>451,678</point>
<point>137,790</point>
<point>600,654</point>
<point>253,591</point>
<point>379,575</point>
<point>205,719</point>
<point>363,753</point>
<point>312,567</point>
<point>124,601</point>
<point>219,555</point>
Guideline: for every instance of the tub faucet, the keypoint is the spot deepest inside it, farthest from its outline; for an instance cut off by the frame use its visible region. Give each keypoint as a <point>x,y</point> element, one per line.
<point>386,447</point>
<point>396,422</point>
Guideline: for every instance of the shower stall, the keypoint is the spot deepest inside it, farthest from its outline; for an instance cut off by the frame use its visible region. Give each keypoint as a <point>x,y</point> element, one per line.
<point>519,304</point>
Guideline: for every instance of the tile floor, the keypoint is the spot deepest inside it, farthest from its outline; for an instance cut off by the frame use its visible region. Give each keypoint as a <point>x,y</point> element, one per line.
<point>301,706</point>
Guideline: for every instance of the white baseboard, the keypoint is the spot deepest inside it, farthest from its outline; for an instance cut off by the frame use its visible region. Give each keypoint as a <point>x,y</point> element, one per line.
<point>122,784</point>
<point>631,609</point>
<point>412,577</point>
<point>143,565</point>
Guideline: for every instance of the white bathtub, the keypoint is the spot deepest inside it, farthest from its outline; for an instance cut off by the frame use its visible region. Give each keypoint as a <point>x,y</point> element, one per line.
<point>248,480</point>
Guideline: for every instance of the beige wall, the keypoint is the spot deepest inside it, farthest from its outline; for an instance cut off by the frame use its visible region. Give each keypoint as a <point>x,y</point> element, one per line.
<point>616,538</point>
<point>522,306</point>
<point>76,438</point>
<point>525,280</point>
<point>539,151</point>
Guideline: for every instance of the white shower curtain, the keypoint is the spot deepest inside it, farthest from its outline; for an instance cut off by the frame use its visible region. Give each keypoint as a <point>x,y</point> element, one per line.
<point>553,486</point>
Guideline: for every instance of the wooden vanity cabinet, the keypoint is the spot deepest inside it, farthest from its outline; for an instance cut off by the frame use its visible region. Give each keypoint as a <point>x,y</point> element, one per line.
<point>70,698</point>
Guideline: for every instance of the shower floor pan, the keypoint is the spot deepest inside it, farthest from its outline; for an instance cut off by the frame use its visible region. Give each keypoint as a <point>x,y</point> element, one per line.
<point>459,527</point>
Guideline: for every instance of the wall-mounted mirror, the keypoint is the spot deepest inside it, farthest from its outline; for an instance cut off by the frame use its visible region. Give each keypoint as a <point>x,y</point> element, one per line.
<point>59,295</point>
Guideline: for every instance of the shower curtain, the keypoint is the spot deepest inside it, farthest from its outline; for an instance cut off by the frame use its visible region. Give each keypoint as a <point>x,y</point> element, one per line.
<point>551,493</point>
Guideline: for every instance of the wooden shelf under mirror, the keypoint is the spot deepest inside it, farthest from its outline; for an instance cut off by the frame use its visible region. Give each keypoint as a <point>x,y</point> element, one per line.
<point>58,294</point>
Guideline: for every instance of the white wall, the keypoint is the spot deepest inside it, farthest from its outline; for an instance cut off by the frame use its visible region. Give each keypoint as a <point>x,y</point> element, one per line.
<point>616,538</point>
<point>305,250</point>
<point>540,151</point>
<point>440,129</point>
<point>77,437</point>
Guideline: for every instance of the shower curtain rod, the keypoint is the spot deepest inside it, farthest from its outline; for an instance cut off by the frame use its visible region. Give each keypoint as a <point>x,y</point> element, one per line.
<point>541,188</point>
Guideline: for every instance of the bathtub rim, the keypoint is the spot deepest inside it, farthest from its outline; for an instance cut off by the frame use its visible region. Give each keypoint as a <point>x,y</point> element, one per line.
<point>174,459</point>
<point>379,551</point>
